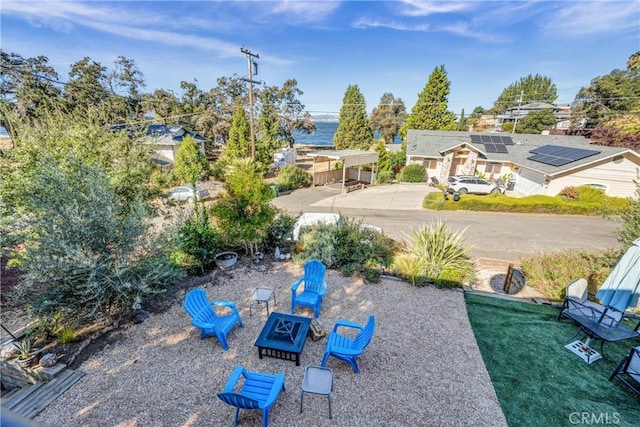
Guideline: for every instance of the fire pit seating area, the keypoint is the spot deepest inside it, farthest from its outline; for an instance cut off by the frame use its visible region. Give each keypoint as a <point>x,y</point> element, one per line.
<point>283,336</point>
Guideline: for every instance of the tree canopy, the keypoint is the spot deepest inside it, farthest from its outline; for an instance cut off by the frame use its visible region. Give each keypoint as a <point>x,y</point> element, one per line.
<point>239,142</point>
<point>244,212</point>
<point>526,90</point>
<point>190,163</point>
<point>388,117</point>
<point>612,104</point>
<point>612,97</point>
<point>353,128</point>
<point>431,112</point>
<point>536,121</point>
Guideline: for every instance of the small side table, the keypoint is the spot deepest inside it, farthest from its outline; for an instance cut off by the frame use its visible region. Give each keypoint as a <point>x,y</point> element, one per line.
<point>317,380</point>
<point>262,295</point>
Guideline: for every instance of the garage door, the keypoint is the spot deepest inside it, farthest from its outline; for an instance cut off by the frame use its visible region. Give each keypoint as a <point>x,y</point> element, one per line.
<point>529,182</point>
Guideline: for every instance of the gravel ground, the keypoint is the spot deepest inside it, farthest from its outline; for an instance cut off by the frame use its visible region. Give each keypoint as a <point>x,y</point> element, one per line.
<point>422,367</point>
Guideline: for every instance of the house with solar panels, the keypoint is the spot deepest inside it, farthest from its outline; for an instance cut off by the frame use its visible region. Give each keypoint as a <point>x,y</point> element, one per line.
<point>532,164</point>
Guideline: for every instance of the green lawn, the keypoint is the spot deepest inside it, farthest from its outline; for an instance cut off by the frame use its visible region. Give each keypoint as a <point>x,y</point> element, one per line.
<point>537,380</point>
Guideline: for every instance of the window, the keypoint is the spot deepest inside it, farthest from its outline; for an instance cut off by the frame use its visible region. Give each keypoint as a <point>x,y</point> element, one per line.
<point>601,187</point>
<point>494,168</point>
<point>429,163</point>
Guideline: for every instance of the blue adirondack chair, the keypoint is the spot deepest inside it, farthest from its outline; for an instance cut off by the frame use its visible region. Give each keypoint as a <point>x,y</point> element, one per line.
<point>345,348</point>
<point>313,289</point>
<point>203,313</point>
<point>259,391</point>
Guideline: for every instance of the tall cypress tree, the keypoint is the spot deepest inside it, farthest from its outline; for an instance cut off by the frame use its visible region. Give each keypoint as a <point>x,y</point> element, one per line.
<point>384,158</point>
<point>239,142</point>
<point>269,129</point>
<point>430,111</point>
<point>353,128</point>
<point>462,122</point>
<point>190,163</point>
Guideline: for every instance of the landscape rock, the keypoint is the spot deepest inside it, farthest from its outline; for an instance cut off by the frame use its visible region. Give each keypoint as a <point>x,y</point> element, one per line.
<point>140,316</point>
<point>48,360</point>
<point>8,351</point>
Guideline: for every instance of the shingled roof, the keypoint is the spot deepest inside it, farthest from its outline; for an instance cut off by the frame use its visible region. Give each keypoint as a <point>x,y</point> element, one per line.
<point>171,135</point>
<point>435,144</point>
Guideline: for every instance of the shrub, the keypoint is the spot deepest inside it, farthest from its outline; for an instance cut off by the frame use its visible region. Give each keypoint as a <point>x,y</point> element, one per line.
<point>350,246</point>
<point>551,273</point>
<point>198,242</point>
<point>384,177</point>
<point>87,252</point>
<point>630,219</point>
<point>317,242</point>
<point>439,257</point>
<point>66,334</point>
<point>291,177</point>
<point>243,212</point>
<point>280,231</point>
<point>217,170</point>
<point>533,204</point>
<point>412,173</point>
<point>407,266</point>
<point>570,192</point>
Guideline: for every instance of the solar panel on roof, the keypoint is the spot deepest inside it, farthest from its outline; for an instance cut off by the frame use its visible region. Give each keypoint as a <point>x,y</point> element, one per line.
<point>495,148</point>
<point>507,140</point>
<point>476,138</point>
<point>486,138</point>
<point>557,155</point>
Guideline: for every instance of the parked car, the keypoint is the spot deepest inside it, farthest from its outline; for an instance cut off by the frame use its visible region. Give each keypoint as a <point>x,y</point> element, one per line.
<point>472,184</point>
<point>184,193</point>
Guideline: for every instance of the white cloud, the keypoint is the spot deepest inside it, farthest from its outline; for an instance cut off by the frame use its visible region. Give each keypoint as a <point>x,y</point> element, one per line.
<point>306,11</point>
<point>461,29</point>
<point>365,23</point>
<point>593,18</point>
<point>136,24</point>
<point>426,8</point>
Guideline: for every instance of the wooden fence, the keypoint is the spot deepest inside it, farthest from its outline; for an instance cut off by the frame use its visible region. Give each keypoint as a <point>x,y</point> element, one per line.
<point>329,177</point>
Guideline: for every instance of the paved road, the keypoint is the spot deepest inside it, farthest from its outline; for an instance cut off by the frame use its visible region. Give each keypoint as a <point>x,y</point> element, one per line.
<point>501,236</point>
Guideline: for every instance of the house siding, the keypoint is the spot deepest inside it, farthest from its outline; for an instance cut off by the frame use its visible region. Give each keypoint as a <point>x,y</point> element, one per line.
<point>453,151</point>
<point>617,176</point>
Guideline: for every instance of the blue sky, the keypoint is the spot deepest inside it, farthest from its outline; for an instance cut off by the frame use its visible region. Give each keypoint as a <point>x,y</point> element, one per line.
<point>381,46</point>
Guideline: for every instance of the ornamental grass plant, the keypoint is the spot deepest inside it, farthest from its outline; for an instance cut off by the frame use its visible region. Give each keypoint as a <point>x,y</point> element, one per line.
<point>434,254</point>
<point>551,273</point>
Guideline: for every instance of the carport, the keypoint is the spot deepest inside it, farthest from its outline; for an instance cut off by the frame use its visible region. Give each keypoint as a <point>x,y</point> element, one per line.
<point>350,177</point>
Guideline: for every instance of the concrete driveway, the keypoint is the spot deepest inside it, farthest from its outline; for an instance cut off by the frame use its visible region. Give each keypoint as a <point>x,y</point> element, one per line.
<point>396,208</point>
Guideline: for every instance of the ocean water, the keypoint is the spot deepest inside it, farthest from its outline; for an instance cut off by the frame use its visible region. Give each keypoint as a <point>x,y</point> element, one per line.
<point>323,135</point>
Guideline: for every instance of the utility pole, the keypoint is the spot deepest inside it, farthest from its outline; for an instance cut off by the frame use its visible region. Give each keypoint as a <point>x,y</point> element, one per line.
<point>252,68</point>
<point>517,112</point>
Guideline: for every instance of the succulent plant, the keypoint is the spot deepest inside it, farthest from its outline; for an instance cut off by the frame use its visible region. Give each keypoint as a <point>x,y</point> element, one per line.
<point>25,348</point>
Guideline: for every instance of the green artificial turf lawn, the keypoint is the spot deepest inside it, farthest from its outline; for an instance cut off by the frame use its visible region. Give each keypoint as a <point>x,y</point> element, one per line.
<point>537,380</point>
